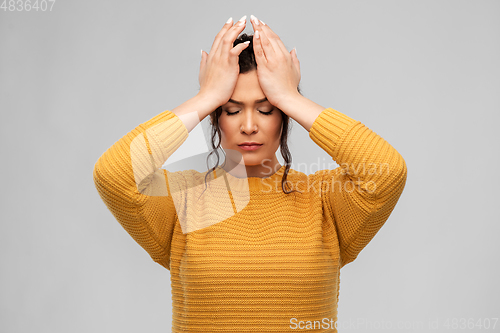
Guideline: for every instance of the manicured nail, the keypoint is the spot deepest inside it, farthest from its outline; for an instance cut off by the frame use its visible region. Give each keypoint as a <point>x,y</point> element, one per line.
<point>257,34</point>
<point>295,50</point>
<point>262,22</point>
<point>202,52</point>
<point>230,20</point>
<point>254,19</point>
<point>246,42</point>
<point>242,20</point>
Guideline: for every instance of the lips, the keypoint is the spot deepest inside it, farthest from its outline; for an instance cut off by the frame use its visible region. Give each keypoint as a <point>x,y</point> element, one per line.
<point>250,144</point>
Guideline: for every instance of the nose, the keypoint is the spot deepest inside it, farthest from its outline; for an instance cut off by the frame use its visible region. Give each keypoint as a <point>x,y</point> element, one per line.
<point>249,123</point>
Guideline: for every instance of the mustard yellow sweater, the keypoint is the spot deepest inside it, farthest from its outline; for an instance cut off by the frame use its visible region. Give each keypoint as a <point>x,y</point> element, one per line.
<point>243,256</point>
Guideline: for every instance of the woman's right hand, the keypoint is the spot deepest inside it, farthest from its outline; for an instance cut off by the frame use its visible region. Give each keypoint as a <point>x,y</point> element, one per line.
<point>219,69</point>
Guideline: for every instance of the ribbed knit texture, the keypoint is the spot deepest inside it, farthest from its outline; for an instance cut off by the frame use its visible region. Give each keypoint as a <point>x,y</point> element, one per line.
<point>248,257</point>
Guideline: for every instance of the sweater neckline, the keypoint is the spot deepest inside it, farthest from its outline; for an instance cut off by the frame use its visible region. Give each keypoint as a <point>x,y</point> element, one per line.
<point>252,183</point>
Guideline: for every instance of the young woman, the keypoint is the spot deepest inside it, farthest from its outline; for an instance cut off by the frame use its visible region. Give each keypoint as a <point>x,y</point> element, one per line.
<point>252,246</point>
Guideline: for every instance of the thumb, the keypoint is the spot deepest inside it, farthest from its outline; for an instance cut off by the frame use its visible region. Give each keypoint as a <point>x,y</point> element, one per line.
<point>295,60</point>
<point>203,60</point>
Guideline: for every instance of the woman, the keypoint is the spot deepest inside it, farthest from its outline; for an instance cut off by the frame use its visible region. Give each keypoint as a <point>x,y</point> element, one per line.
<point>252,245</point>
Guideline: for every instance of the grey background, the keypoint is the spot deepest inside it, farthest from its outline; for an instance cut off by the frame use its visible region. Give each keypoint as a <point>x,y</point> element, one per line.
<point>424,75</point>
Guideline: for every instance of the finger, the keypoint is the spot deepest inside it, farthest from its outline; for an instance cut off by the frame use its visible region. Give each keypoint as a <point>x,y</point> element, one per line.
<point>257,26</point>
<point>275,39</point>
<point>239,48</point>
<point>260,57</point>
<point>257,45</point>
<point>218,37</point>
<point>267,46</point>
<point>255,22</point>
<point>265,42</point>
<point>227,41</point>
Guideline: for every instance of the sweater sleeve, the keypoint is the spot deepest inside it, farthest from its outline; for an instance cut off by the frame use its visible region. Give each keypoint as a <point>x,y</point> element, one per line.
<point>364,189</point>
<point>138,192</point>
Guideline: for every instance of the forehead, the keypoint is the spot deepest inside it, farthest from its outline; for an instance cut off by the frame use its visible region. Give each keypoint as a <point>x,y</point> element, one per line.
<point>247,88</point>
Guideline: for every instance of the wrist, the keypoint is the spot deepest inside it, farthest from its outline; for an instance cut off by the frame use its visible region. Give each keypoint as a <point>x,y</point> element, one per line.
<point>194,110</point>
<point>208,100</point>
<point>289,101</point>
<point>301,109</point>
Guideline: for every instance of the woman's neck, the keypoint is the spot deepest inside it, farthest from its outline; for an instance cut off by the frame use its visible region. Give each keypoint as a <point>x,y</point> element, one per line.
<point>262,170</point>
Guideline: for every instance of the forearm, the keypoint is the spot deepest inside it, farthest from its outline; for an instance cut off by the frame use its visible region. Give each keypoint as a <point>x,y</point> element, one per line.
<point>194,110</point>
<point>365,158</point>
<point>131,183</point>
<point>301,109</point>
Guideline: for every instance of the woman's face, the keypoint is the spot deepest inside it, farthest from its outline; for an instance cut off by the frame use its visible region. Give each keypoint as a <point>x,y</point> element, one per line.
<point>251,118</point>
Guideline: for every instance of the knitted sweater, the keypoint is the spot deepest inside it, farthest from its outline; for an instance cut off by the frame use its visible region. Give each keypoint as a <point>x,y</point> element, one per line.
<point>243,255</point>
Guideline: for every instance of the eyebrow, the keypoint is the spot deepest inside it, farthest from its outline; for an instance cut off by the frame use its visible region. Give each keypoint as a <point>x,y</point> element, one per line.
<point>241,103</point>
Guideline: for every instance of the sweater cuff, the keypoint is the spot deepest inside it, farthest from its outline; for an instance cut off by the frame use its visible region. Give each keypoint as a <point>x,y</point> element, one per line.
<point>166,135</point>
<point>329,127</point>
<point>158,139</point>
<point>164,116</point>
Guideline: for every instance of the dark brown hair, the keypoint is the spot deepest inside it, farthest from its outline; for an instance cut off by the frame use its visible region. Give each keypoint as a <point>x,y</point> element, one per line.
<point>247,63</point>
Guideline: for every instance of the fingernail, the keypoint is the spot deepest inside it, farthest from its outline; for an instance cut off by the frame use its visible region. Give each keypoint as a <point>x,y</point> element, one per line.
<point>257,34</point>
<point>202,52</point>
<point>262,22</point>
<point>295,50</point>
<point>254,19</point>
<point>230,20</point>
<point>242,20</point>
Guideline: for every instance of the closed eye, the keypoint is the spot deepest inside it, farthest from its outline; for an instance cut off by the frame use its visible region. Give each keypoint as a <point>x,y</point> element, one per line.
<point>266,113</point>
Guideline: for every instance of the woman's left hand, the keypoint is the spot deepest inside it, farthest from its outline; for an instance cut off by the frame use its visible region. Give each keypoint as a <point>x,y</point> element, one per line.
<point>277,69</point>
